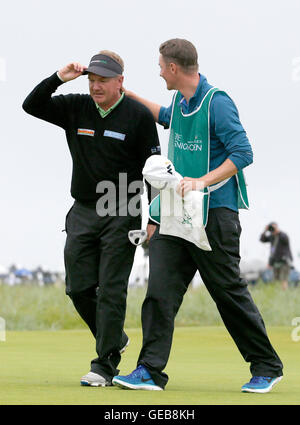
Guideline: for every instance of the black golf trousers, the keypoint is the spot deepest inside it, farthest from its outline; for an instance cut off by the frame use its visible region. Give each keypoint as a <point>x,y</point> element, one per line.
<point>98,261</point>
<point>173,263</point>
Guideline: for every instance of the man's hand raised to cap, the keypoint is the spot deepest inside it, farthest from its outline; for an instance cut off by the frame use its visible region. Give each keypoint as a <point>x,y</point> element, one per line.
<point>71,71</point>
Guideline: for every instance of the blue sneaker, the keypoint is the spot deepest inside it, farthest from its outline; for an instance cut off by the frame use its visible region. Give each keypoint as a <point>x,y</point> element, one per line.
<point>260,384</point>
<point>139,379</point>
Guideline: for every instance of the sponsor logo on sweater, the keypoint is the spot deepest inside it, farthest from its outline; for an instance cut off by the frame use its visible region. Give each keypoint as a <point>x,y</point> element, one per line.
<point>114,135</point>
<point>85,132</point>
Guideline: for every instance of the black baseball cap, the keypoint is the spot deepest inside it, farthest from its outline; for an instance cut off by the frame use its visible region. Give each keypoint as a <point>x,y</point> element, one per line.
<point>104,66</point>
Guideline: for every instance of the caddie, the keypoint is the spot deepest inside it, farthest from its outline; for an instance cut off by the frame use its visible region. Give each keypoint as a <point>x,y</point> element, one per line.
<point>208,145</point>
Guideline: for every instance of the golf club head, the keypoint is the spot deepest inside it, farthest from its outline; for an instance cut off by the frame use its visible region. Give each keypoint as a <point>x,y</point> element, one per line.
<point>137,237</point>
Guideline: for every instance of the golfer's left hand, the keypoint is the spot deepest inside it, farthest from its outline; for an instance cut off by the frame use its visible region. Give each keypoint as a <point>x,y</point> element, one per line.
<point>150,230</point>
<point>187,184</point>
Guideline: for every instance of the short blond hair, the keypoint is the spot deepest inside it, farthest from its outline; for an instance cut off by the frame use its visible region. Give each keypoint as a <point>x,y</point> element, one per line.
<point>114,56</point>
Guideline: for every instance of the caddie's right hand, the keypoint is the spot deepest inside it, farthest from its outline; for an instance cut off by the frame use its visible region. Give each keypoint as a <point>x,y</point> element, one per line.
<point>71,71</point>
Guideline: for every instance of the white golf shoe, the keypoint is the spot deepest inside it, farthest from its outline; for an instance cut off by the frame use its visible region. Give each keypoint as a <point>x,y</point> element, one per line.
<point>92,379</point>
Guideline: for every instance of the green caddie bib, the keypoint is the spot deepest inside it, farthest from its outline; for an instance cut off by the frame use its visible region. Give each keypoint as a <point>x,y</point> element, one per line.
<point>189,151</point>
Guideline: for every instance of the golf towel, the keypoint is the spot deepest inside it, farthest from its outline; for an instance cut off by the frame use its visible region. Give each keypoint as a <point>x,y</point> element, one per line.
<point>179,216</point>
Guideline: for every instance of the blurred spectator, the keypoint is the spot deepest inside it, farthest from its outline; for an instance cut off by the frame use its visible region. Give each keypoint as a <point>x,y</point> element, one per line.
<point>280,259</point>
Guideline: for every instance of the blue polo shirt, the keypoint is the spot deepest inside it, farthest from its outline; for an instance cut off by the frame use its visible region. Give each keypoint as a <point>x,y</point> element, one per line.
<point>228,138</point>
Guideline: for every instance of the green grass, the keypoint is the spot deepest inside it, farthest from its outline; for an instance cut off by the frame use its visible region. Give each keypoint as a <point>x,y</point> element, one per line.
<point>44,367</point>
<point>48,348</point>
<point>29,307</point>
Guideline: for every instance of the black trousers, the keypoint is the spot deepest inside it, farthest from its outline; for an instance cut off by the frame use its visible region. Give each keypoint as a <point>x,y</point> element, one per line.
<point>98,261</point>
<point>173,263</point>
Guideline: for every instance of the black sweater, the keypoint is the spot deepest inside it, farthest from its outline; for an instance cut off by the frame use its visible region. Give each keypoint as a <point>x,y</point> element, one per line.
<point>119,143</point>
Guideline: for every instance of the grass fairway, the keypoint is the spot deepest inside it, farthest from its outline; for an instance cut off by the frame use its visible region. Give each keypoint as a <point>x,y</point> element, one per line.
<point>44,368</point>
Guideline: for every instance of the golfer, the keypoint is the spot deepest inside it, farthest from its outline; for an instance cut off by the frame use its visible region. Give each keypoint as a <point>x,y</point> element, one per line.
<point>207,145</point>
<point>110,136</point>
